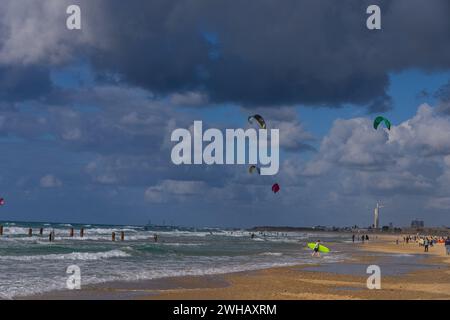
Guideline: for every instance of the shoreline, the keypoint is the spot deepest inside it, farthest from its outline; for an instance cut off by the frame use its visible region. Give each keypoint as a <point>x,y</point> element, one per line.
<point>407,273</point>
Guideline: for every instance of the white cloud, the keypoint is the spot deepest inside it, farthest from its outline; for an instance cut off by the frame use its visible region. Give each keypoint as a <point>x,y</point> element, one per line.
<point>50,181</point>
<point>427,133</point>
<point>189,99</point>
<point>34,32</point>
<point>411,158</point>
<point>174,189</point>
<point>354,143</point>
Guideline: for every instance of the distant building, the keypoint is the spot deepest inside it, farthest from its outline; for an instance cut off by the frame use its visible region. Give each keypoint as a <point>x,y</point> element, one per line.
<point>376,214</point>
<point>417,224</point>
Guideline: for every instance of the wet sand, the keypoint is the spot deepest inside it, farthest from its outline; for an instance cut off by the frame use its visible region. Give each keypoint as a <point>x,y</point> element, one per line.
<point>407,273</point>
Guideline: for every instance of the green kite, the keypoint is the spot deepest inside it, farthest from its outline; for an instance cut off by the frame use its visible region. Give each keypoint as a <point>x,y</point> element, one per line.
<point>380,119</point>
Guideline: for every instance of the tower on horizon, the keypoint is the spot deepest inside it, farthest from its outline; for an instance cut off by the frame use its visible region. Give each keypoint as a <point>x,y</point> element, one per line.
<point>376,220</point>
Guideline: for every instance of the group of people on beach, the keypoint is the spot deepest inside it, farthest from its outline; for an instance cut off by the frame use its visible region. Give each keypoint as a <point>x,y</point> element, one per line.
<point>427,241</point>
<point>430,241</point>
<point>364,237</point>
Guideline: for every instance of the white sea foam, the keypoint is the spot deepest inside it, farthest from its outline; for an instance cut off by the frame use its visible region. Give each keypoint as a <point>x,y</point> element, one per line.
<point>70,256</point>
<point>184,244</point>
<point>15,230</point>
<point>107,230</point>
<point>25,287</point>
<point>258,239</point>
<point>277,254</point>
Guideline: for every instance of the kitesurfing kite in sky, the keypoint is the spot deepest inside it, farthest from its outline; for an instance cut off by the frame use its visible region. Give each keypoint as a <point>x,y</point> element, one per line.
<point>258,119</point>
<point>275,188</point>
<point>254,168</point>
<point>380,119</point>
<point>262,124</point>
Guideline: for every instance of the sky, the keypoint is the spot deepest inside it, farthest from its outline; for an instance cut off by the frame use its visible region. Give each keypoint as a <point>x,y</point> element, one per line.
<point>86,115</point>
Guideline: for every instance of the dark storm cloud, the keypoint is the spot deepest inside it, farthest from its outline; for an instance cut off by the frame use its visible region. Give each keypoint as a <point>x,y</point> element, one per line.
<point>255,53</point>
<point>269,52</point>
<point>21,83</point>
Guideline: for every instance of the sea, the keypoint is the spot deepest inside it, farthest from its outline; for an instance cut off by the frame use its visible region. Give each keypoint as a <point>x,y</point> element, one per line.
<point>32,264</point>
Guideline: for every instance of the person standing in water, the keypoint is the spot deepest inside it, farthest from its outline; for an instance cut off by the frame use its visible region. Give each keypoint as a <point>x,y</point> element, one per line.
<point>353,238</point>
<point>316,249</point>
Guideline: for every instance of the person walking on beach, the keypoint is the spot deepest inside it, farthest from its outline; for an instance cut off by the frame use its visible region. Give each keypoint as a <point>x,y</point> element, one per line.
<point>362,238</point>
<point>426,243</point>
<point>316,249</point>
<point>447,246</point>
<point>353,238</point>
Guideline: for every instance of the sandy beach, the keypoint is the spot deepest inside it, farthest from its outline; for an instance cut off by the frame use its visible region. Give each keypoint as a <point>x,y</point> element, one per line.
<point>407,273</point>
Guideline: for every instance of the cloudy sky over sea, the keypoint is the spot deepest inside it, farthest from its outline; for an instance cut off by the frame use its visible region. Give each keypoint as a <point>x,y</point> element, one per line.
<point>86,116</point>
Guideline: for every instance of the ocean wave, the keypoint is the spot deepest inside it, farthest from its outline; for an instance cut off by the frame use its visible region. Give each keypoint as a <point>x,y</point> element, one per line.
<point>285,240</point>
<point>107,230</point>
<point>178,244</point>
<point>277,254</point>
<point>106,237</point>
<point>59,283</point>
<point>71,256</point>
<point>15,230</point>
<point>22,237</point>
